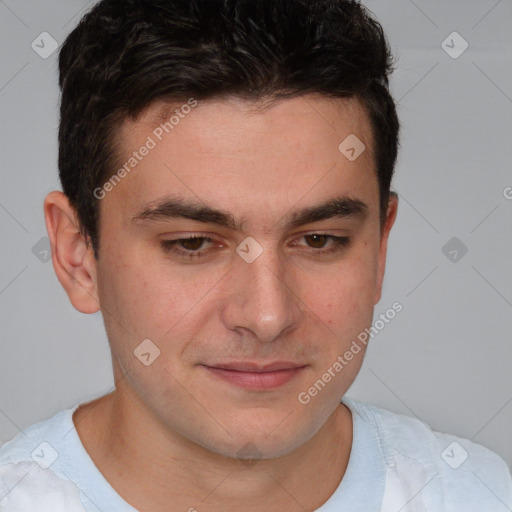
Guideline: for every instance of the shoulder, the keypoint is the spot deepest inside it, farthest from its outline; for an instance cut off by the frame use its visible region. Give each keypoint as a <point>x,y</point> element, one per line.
<point>43,435</point>
<point>460,470</point>
<point>32,467</point>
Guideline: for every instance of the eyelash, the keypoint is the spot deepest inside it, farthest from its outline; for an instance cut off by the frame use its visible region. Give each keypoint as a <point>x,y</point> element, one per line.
<point>339,243</point>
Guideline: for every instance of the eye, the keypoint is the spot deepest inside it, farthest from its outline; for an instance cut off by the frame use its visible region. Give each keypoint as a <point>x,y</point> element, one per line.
<point>318,241</point>
<point>197,246</point>
<point>189,247</point>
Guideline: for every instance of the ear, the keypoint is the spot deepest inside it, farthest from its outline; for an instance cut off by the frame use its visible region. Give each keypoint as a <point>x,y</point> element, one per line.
<point>386,228</point>
<point>73,259</point>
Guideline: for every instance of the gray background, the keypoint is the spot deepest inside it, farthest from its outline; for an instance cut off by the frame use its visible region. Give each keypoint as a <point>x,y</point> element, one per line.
<point>445,358</point>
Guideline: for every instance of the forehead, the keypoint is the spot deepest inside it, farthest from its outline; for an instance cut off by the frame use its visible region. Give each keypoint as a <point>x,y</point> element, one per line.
<point>297,119</point>
<point>162,109</point>
<point>245,155</point>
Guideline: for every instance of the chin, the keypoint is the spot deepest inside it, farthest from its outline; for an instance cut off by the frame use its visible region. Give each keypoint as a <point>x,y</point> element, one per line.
<point>251,450</point>
<point>263,440</point>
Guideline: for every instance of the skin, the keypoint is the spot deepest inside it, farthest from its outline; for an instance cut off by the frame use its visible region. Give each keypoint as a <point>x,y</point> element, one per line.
<point>169,437</point>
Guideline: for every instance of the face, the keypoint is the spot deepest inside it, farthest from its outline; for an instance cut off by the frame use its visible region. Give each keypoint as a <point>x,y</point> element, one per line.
<point>281,275</point>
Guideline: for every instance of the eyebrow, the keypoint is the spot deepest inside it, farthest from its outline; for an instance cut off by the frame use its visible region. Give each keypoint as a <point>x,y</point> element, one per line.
<point>170,208</point>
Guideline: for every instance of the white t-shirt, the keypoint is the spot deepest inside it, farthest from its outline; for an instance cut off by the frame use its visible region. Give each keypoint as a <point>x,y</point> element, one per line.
<point>396,464</point>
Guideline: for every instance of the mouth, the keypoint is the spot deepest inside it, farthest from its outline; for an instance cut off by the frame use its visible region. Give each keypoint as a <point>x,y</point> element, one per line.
<point>251,375</point>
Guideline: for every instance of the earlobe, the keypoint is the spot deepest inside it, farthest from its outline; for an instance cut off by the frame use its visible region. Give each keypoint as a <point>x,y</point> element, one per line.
<point>73,259</point>
<point>386,228</point>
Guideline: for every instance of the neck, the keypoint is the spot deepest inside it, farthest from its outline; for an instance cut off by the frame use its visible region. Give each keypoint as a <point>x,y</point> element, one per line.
<point>151,467</point>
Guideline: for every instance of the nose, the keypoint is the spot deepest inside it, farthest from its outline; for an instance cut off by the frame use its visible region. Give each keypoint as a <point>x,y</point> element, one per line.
<point>260,299</point>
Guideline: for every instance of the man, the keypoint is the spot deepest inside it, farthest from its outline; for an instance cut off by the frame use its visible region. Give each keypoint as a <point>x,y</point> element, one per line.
<point>226,204</point>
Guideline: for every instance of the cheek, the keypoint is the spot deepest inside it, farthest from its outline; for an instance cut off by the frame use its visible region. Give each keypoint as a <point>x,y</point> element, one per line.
<point>343,296</point>
<point>128,295</point>
<point>150,297</point>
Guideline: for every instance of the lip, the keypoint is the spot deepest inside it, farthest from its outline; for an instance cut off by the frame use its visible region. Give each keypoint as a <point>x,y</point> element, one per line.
<point>251,375</point>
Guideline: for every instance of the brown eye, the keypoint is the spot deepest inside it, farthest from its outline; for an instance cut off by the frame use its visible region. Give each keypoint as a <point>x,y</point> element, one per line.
<point>189,247</point>
<point>323,244</point>
<point>192,244</point>
<point>319,241</point>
